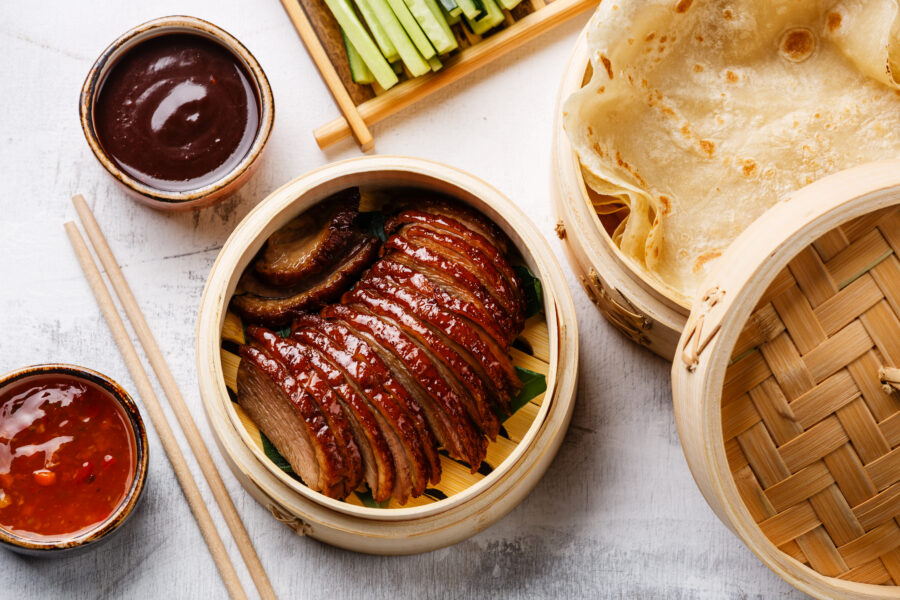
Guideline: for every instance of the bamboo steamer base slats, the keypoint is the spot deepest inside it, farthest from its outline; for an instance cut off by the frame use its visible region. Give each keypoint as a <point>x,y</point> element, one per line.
<point>806,407</point>
<point>455,476</point>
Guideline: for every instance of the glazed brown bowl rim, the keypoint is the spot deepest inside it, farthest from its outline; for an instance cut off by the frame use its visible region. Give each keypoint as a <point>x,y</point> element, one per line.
<point>155,28</point>
<point>128,503</point>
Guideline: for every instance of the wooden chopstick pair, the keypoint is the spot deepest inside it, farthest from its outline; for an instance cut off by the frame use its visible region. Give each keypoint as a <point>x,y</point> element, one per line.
<point>176,402</point>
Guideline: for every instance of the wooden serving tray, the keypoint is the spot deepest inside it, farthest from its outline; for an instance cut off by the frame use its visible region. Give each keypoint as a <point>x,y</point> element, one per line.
<point>362,106</point>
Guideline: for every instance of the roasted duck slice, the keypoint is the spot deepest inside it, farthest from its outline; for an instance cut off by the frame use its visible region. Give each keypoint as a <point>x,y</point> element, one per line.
<point>444,410</point>
<point>368,426</point>
<point>309,243</point>
<point>317,387</point>
<point>291,420</point>
<point>466,255</point>
<point>264,304</point>
<point>489,359</point>
<point>462,214</point>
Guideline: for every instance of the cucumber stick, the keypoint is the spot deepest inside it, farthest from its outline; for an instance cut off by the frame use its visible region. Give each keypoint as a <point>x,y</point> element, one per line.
<point>356,33</point>
<point>442,22</point>
<point>378,33</point>
<point>453,19</point>
<point>471,8</point>
<point>397,34</point>
<point>492,18</point>
<point>358,69</point>
<point>401,11</point>
<point>430,25</point>
<point>509,4</point>
<point>435,63</point>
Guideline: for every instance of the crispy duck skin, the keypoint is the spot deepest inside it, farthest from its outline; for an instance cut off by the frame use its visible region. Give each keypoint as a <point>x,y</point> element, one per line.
<point>459,302</point>
<point>377,458</point>
<point>379,372</point>
<point>423,255</point>
<point>462,214</point>
<point>447,225</point>
<point>479,264</point>
<point>479,350</point>
<point>444,410</point>
<point>406,446</point>
<point>316,386</point>
<point>308,244</point>
<point>467,380</point>
<point>263,304</point>
<point>332,470</point>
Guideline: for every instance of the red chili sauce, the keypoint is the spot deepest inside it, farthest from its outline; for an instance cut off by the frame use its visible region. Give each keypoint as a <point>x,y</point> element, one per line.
<point>67,456</point>
<point>177,112</point>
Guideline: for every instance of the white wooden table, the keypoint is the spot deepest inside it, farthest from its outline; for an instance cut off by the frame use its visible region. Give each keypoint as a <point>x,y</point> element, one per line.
<point>617,515</point>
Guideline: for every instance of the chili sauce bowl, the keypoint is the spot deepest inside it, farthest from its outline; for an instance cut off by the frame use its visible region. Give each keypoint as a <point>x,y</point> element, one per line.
<point>93,485</point>
<point>145,184</point>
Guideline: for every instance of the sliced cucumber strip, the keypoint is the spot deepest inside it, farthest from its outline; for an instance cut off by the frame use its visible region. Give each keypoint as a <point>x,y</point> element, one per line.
<point>430,26</point>
<point>442,22</point>
<point>490,20</point>
<point>358,69</point>
<point>471,8</point>
<point>404,45</point>
<point>411,26</point>
<point>449,5</point>
<point>356,33</point>
<point>453,19</point>
<point>509,4</point>
<point>435,63</point>
<point>378,33</point>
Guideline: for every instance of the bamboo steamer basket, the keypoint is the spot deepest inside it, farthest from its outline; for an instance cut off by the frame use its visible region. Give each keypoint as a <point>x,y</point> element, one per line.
<point>785,388</point>
<point>645,312</point>
<point>475,504</point>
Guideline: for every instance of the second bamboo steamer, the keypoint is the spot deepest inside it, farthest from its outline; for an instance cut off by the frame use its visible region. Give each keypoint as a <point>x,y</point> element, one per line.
<point>643,312</point>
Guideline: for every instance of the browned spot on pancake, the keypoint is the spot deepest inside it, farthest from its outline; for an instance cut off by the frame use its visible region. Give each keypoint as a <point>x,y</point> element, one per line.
<point>748,167</point>
<point>699,38</point>
<point>708,147</point>
<point>727,14</point>
<point>663,39</point>
<point>798,44</point>
<point>731,76</point>
<point>682,5</point>
<point>590,131</point>
<point>601,89</point>
<point>655,251</point>
<point>608,65</point>
<point>834,21</point>
<point>598,150</point>
<point>686,131</point>
<point>629,168</point>
<point>662,49</point>
<point>698,68</point>
<point>705,258</point>
<point>650,36</point>
<point>666,204</point>
<point>666,110</point>
<point>817,115</point>
<point>644,83</point>
<point>629,78</point>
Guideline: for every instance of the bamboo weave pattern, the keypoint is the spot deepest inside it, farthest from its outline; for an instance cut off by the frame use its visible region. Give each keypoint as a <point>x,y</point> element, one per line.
<point>811,435</point>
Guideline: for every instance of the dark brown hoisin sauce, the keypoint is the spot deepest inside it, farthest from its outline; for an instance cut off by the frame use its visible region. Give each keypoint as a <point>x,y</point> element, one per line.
<point>177,112</point>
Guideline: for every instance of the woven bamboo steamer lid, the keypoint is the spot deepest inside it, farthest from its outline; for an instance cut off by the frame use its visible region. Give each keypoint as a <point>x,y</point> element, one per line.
<point>389,530</point>
<point>644,311</point>
<point>779,399</point>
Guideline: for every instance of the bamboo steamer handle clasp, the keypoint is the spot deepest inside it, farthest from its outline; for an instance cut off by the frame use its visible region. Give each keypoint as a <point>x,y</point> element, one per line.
<point>625,318</point>
<point>296,524</point>
<point>695,342</point>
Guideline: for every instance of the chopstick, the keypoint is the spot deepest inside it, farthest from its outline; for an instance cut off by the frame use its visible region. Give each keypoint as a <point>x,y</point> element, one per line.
<point>176,400</point>
<point>151,403</point>
<point>329,74</point>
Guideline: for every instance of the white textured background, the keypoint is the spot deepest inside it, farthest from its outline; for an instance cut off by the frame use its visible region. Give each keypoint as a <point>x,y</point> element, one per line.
<point>616,516</point>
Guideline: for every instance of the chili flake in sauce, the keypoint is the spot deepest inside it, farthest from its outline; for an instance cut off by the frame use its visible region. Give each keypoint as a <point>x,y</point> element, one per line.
<point>67,456</point>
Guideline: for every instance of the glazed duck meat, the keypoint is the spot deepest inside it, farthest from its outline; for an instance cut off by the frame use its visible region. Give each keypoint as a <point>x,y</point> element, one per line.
<point>411,359</point>
<point>307,263</point>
